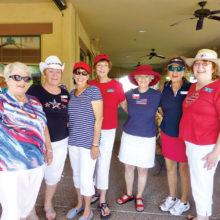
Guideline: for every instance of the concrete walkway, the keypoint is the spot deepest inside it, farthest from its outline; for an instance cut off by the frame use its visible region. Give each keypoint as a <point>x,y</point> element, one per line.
<point>155,192</point>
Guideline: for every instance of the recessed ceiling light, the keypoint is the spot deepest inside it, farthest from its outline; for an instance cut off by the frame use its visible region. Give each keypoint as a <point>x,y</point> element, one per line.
<point>142,31</point>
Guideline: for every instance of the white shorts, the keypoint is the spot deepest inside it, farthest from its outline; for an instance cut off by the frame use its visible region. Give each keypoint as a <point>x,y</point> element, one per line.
<point>83,169</point>
<point>202,180</point>
<point>137,151</point>
<point>19,191</point>
<point>104,159</point>
<point>53,172</point>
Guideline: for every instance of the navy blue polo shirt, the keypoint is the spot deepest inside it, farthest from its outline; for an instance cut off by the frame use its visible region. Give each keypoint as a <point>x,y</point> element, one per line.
<point>172,107</point>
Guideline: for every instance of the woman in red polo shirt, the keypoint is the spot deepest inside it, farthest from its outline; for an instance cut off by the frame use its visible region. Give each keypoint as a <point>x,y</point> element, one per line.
<point>200,129</point>
<point>113,95</point>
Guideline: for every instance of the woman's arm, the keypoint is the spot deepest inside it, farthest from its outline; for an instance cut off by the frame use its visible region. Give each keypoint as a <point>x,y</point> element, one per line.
<point>212,158</point>
<point>124,106</point>
<point>49,151</point>
<point>98,112</point>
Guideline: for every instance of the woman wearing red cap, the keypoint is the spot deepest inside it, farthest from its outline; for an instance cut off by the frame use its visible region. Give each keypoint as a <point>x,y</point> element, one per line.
<point>85,120</point>
<point>138,140</point>
<point>113,95</point>
<point>173,148</point>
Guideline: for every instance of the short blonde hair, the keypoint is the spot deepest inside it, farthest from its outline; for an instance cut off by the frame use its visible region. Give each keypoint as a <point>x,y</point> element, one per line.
<point>10,68</point>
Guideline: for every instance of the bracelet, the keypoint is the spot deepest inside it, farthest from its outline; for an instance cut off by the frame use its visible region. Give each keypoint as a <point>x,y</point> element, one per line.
<point>50,150</point>
<point>95,145</point>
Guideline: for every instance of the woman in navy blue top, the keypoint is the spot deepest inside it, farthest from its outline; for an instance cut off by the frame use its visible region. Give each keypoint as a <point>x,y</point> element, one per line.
<point>138,140</point>
<point>173,148</point>
<point>85,120</point>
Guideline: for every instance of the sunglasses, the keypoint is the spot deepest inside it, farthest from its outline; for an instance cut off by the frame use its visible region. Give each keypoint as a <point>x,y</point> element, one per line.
<point>18,78</point>
<point>84,73</point>
<point>177,68</point>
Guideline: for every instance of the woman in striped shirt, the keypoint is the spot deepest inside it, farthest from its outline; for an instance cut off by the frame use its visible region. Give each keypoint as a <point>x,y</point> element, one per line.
<point>85,120</point>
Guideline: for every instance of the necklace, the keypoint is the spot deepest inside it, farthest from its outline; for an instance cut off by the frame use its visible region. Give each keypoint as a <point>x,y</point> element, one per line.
<point>28,114</point>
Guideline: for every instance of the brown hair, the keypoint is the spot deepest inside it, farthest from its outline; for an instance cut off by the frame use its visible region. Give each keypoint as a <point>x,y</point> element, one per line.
<point>215,69</point>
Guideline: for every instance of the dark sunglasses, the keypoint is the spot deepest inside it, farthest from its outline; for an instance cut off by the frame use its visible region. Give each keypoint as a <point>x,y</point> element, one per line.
<point>18,78</point>
<point>84,73</point>
<point>177,68</point>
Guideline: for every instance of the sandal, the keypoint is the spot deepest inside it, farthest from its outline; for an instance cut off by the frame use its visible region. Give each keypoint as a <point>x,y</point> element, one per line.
<point>125,198</point>
<point>139,204</point>
<point>95,198</point>
<point>49,212</point>
<point>102,207</point>
<point>190,217</point>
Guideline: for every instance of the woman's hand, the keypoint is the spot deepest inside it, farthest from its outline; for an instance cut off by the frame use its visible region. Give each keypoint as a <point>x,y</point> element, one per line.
<point>49,157</point>
<point>211,160</point>
<point>94,152</point>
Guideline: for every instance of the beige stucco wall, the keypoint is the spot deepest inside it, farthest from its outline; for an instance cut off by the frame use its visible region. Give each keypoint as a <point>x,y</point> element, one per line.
<point>67,28</point>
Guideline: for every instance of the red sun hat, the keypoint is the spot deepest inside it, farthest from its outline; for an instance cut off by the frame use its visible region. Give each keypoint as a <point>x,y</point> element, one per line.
<point>82,65</point>
<point>144,70</point>
<point>101,57</point>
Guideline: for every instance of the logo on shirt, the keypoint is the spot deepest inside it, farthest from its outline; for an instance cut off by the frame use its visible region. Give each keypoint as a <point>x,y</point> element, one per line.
<point>135,96</point>
<point>207,89</point>
<point>110,90</point>
<point>141,101</point>
<point>191,98</point>
<point>183,92</point>
<point>64,98</point>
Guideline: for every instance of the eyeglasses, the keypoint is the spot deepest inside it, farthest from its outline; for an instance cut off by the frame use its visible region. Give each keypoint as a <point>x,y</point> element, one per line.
<point>84,73</point>
<point>203,64</point>
<point>177,68</point>
<point>18,78</point>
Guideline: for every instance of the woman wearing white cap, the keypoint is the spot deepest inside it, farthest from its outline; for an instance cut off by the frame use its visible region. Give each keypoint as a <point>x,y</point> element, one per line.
<point>199,128</point>
<point>54,100</point>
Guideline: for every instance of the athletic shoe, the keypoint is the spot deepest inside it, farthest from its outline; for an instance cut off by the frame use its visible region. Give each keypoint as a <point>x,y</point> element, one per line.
<point>167,204</point>
<point>179,208</point>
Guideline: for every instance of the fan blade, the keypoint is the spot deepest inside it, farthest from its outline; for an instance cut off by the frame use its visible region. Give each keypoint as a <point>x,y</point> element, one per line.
<point>214,12</point>
<point>182,21</point>
<point>161,56</point>
<point>199,24</point>
<point>150,57</point>
<point>4,44</point>
<point>214,18</point>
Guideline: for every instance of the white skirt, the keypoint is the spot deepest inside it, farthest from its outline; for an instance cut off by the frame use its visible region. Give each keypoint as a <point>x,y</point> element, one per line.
<point>137,151</point>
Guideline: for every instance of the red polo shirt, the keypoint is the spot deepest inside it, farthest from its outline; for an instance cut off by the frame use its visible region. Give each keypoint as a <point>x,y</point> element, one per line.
<point>112,94</point>
<point>200,123</point>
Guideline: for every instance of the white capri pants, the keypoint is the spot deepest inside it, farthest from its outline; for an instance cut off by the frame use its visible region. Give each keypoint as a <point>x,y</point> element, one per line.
<point>53,172</point>
<point>201,178</point>
<point>83,169</point>
<point>19,191</point>
<point>104,160</point>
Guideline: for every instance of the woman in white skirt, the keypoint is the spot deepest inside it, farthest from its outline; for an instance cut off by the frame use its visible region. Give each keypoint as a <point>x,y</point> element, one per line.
<point>139,136</point>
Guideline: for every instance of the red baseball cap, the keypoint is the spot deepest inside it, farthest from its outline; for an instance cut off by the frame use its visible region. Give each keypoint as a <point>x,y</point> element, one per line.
<point>82,65</point>
<point>101,57</point>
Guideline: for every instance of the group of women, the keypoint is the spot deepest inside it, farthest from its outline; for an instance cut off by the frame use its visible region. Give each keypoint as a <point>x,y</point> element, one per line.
<point>33,129</point>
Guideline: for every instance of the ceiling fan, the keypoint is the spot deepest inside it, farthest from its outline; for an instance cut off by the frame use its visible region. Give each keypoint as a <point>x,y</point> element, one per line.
<point>9,41</point>
<point>154,54</point>
<point>201,14</point>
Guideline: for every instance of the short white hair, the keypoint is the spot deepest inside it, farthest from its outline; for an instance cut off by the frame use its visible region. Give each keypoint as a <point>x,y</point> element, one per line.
<point>10,68</point>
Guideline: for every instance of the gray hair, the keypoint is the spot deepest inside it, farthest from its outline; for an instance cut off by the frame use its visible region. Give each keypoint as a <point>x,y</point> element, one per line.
<point>10,68</point>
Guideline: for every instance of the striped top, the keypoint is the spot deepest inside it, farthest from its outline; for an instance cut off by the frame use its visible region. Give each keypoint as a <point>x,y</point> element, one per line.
<point>21,133</point>
<point>82,118</point>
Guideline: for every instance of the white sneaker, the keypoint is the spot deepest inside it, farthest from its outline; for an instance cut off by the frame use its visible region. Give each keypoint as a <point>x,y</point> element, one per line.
<point>179,208</point>
<point>167,204</point>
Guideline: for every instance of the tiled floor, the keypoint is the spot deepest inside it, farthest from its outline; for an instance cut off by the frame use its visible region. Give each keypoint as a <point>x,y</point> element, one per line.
<point>155,192</point>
